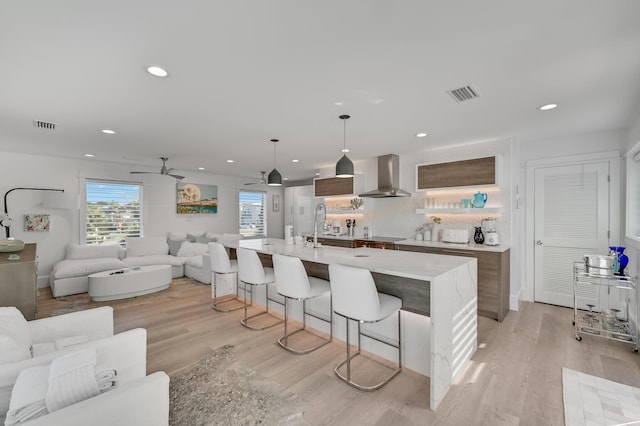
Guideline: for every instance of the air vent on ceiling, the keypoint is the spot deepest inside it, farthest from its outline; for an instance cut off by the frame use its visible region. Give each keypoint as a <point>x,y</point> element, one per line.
<point>44,125</point>
<point>463,94</point>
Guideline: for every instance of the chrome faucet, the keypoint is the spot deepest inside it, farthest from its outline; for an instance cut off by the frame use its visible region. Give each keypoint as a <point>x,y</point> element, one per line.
<point>319,207</point>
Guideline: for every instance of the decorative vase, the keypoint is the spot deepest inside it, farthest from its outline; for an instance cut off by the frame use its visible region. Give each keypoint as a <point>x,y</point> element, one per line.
<point>478,236</point>
<point>435,231</point>
<point>623,259</point>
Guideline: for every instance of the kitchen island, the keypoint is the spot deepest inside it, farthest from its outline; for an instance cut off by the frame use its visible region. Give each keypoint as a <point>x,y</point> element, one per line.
<point>439,318</point>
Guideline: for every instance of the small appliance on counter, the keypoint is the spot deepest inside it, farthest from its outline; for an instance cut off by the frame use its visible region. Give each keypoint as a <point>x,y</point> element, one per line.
<point>288,234</point>
<point>459,236</point>
<point>490,234</point>
<point>336,228</point>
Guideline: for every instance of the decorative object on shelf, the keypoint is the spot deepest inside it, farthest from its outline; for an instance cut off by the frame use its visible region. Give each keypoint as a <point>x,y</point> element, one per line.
<point>196,198</point>
<point>623,259</point>
<point>479,199</point>
<point>163,170</point>
<point>36,223</point>
<point>356,203</point>
<point>275,178</point>
<point>435,228</point>
<point>5,220</point>
<point>478,236</point>
<point>344,166</point>
<point>10,246</point>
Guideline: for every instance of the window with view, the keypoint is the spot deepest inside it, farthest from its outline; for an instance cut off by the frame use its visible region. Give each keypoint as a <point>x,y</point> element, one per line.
<point>113,211</point>
<point>252,217</point>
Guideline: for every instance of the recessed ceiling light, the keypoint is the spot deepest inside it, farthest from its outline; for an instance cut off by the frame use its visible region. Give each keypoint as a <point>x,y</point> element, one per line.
<point>230,161</point>
<point>345,150</point>
<point>295,161</point>
<point>547,107</point>
<point>109,132</point>
<point>339,103</point>
<point>89,155</point>
<point>285,178</point>
<point>317,173</point>
<point>200,168</point>
<point>157,71</point>
<point>421,135</point>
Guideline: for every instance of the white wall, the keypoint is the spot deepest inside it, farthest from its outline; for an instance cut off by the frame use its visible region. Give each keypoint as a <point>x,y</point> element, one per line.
<point>159,198</point>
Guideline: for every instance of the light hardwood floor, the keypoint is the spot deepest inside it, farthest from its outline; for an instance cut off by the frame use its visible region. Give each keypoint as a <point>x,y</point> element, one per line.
<point>514,378</point>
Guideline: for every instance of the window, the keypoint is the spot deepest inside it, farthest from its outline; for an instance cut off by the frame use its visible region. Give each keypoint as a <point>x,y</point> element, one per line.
<point>113,211</point>
<point>252,217</point>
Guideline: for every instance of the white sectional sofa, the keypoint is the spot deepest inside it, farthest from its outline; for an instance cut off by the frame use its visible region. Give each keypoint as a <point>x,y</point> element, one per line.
<point>35,343</point>
<point>186,256</point>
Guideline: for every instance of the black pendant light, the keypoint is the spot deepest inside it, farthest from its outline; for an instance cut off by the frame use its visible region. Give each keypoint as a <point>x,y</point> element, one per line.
<point>275,178</point>
<point>344,166</point>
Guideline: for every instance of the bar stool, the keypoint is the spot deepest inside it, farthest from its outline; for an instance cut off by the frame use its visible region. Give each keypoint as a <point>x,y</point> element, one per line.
<point>355,298</point>
<point>222,265</point>
<point>293,283</point>
<point>252,273</point>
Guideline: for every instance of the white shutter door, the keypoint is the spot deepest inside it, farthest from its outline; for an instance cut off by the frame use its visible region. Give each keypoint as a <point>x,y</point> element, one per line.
<point>571,219</point>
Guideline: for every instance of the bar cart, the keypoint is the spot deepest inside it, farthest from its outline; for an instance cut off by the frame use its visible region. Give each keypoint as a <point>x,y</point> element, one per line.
<point>604,320</point>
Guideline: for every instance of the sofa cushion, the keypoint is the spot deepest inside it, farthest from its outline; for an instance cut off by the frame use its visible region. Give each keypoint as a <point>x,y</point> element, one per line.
<point>93,251</point>
<point>205,240</point>
<point>195,261</point>
<point>174,246</point>
<point>192,249</point>
<point>80,268</point>
<point>156,259</point>
<point>212,235</point>
<point>15,338</point>
<point>177,236</point>
<point>146,246</point>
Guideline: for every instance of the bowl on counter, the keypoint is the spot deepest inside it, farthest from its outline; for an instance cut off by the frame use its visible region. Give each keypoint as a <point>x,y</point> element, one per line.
<point>11,246</point>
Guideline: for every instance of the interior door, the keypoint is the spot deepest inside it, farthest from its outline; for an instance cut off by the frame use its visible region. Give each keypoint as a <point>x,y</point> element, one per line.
<point>571,219</point>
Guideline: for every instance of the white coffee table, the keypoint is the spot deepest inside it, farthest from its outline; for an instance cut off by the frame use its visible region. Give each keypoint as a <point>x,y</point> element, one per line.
<point>128,282</point>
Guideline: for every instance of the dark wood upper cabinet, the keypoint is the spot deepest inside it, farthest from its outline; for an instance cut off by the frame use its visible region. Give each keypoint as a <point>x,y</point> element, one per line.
<point>478,171</point>
<point>333,186</point>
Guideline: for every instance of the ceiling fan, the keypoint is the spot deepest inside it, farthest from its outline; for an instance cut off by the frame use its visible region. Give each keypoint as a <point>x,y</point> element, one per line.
<point>263,180</point>
<point>163,170</point>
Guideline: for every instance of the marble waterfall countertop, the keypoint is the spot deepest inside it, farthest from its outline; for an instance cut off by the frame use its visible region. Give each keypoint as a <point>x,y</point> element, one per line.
<point>439,345</point>
<point>419,266</point>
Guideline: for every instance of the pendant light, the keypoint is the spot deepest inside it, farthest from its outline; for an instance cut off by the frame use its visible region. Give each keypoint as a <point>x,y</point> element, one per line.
<point>344,166</point>
<point>275,178</point>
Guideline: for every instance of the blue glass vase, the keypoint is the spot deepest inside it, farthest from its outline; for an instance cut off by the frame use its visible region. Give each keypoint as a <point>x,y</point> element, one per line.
<point>623,259</point>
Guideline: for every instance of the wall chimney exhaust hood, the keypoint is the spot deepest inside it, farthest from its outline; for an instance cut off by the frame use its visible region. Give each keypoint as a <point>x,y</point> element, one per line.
<point>388,178</point>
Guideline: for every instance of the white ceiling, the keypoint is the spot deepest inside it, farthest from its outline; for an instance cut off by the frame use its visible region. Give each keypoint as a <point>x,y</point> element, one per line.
<point>244,72</point>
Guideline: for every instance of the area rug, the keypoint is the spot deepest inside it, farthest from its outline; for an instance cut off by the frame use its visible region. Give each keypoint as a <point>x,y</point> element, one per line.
<point>80,302</point>
<point>591,400</point>
<point>217,391</point>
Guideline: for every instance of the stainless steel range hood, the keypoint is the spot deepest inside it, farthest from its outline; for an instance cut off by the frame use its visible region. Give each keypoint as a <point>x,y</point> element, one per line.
<point>388,178</point>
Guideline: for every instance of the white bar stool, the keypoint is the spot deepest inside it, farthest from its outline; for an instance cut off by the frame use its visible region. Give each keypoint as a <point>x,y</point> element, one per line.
<point>355,298</point>
<point>293,283</point>
<point>252,273</point>
<point>222,265</point>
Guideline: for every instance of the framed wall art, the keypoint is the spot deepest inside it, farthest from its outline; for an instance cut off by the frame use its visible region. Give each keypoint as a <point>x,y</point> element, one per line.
<point>36,223</point>
<point>275,203</point>
<point>195,198</point>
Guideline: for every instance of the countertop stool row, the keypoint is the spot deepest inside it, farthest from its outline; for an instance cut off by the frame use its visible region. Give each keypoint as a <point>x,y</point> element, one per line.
<point>352,294</point>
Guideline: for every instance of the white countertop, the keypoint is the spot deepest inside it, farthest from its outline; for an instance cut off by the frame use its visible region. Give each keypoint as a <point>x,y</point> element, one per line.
<point>420,266</point>
<point>439,244</point>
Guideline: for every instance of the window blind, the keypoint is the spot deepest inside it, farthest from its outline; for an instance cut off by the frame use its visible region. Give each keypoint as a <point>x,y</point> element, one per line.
<point>252,214</point>
<point>113,211</point>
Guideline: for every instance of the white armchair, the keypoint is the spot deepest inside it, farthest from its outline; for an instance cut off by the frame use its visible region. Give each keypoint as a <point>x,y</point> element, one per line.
<point>94,328</point>
<point>143,401</point>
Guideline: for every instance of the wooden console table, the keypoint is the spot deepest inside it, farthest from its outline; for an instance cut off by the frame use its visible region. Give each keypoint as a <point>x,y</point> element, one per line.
<point>19,281</point>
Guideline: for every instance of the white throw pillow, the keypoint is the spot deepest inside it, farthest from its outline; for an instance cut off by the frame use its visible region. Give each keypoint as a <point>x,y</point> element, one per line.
<point>188,249</point>
<point>27,396</point>
<point>175,236</point>
<point>145,246</point>
<point>93,251</point>
<point>15,337</point>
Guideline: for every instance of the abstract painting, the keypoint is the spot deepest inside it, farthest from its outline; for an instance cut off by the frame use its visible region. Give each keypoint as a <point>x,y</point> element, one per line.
<point>195,198</point>
<point>36,223</point>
